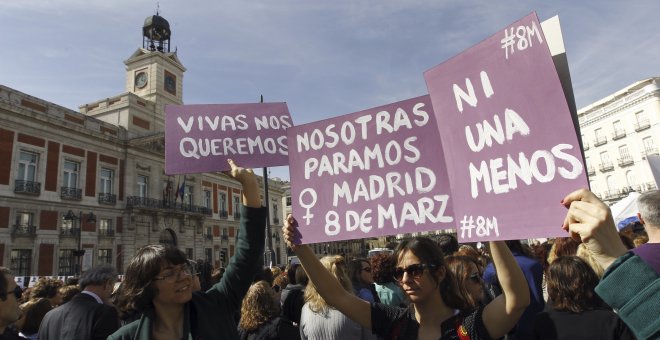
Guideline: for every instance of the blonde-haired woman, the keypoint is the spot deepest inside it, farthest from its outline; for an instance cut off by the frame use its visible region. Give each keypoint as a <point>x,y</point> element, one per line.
<point>260,316</point>
<point>321,321</point>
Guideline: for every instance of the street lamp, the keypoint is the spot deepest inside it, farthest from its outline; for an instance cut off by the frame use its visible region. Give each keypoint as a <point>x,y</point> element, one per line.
<point>79,252</point>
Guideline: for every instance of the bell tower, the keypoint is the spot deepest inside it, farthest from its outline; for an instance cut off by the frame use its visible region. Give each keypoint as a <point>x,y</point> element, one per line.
<point>153,72</point>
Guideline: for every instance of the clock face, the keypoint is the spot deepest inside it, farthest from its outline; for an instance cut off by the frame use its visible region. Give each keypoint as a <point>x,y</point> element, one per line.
<point>141,80</point>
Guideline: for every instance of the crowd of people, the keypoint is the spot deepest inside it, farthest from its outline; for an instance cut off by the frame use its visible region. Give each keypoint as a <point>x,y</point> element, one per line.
<point>596,283</point>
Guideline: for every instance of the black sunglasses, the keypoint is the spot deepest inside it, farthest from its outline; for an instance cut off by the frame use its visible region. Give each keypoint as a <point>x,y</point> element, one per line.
<point>413,270</point>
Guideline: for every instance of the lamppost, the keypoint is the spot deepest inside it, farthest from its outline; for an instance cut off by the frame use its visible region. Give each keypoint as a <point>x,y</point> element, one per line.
<point>79,252</point>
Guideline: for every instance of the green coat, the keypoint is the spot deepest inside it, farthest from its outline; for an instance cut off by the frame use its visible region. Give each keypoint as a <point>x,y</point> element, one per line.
<point>632,288</point>
<point>210,315</point>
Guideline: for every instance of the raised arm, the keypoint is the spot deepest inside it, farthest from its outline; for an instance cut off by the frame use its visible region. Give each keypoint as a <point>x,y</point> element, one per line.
<point>501,314</point>
<point>327,285</point>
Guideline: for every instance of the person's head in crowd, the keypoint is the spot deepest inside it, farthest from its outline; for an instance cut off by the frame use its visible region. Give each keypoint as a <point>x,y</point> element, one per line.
<point>648,204</point>
<point>158,275</point>
<point>571,284</point>
<point>627,241</point>
<point>584,253</point>
<point>259,306</point>
<point>563,246</point>
<point>336,265</point>
<point>360,272</point>
<point>99,280</point>
<point>68,292</point>
<point>71,281</point>
<point>420,268</point>
<point>638,240</point>
<point>301,276</point>
<point>468,278</point>
<point>267,275</point>
<point>10,293</point>
<point>382,268</point>
<point>33,312</point>
<point>470,251</point>
<point>48,288</point>
<point>276,271</point>
<point>541,252</point>
<point>196,285</point>
<point>291,273</point>
<point>280,281</point>
<point>448,243</point>
<point>517,247</point>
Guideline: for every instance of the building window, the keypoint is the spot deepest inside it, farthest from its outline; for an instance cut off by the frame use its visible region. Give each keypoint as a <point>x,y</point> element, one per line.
<point>649,146</point>
<point>105,227</point>
<point>237,207</point>
<point>143,186</point>
<point>222,200</point>
<point>107,177</point>
<point>27,166</point>
<point>189,253</point>
<point>276,217</point>
<point>207,199</point>
<point>71,174</point>
<point>604,158</point>
<point>21,262</point>
<point>24,219</point>
<point>104,257</point>
<point>611,185</point>
<point>67,264</point>
<point>630,178</point>
<point>623,152</point>
<point>188,195</point>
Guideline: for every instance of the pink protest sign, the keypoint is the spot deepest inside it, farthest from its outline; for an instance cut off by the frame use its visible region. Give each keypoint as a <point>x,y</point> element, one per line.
<point>510,145</point>
<point>371,173</point>
<point>200,138</point>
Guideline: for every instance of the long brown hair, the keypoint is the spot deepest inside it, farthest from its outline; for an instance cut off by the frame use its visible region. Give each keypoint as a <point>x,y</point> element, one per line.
<point>259,305</point>
<point>429,252</point>
<point>571,283</point>
<point>460,267</point>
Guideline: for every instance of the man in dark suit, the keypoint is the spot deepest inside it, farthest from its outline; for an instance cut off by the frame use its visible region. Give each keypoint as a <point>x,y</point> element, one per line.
<point>87,315</point>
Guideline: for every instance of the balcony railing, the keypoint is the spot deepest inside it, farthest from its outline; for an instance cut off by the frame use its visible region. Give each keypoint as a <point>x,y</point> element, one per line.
<point>604,167</point>
<point>69,232</point>
<point>24,230</point>
<point>107,232</point>
<point>618,134</point>
<point>152,203</point>
<point>27,187</point>
<point>237,215</point>
<point>650,151</point>
<point>625,161</point>
<point>600,140</point>
<point>109,199</point>
<point>591,171</point>
<point>224,238</point>
<point>72,194</point>
<point>223,213</point>
<point>642,125</point>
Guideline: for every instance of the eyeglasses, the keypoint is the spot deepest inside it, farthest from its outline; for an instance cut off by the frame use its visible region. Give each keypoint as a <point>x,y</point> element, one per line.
<point>476,278</point>
<point>367,269</point>
<point>17,291</point>
<point>174,275</point>
<point>413,270</point>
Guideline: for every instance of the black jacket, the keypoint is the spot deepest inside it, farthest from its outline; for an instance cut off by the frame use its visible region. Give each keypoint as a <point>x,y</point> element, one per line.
<point>275,328</point>
<point>82,318</point>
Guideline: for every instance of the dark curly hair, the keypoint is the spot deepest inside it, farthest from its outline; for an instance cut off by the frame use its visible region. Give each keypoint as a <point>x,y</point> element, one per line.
<point>137,290</point>
<point>46,288</point>
<point>382,268</point>
<point>571,283</point>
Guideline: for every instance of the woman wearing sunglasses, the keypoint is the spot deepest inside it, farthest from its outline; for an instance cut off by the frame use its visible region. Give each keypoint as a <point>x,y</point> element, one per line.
<point>468,278</point>
<point>437,311</point>
<point>362,279</point>
<point>158,282</point>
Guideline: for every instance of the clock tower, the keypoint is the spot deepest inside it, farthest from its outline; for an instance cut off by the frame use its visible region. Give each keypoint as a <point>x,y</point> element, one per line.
<point>153,72</point>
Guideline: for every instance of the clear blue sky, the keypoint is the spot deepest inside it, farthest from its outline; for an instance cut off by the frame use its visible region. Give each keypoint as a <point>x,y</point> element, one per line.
<point>324,58</point>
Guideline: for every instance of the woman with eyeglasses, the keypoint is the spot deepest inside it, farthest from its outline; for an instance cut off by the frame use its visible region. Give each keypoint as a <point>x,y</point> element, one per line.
<point>158,282</point>
<point>468,278</point>
<point>363,280</point>
<point>437,311</point>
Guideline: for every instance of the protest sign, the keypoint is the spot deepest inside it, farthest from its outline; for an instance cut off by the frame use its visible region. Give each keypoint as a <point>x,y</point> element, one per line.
<point>371,173</point>
<point>510,145</point>
<point>200,138</point>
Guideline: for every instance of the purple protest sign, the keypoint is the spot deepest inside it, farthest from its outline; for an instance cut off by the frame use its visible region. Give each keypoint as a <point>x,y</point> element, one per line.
<point>510,145</point>
<point>371,173</point>
<point>200,138</point>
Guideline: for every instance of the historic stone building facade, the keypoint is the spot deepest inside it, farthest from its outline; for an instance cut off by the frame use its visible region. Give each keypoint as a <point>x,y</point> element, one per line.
<point>618,133</point>
<point>57,166</point>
